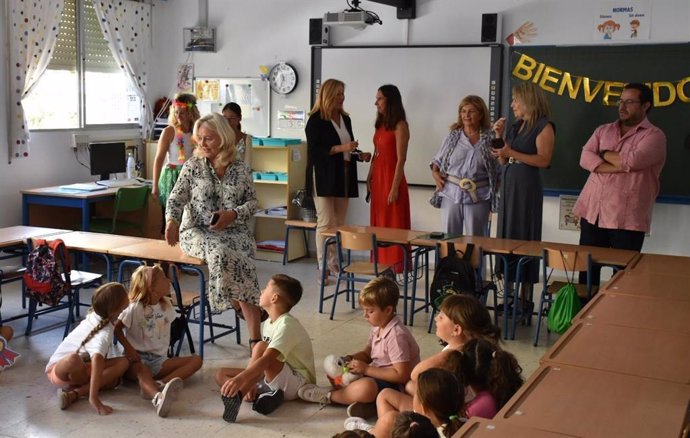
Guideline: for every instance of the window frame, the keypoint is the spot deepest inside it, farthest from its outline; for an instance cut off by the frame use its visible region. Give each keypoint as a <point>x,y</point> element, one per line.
<point>81,88</point>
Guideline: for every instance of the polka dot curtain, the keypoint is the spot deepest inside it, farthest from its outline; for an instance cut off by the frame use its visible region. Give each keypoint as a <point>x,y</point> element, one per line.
<point>34,26</point>
<point>126,25</point>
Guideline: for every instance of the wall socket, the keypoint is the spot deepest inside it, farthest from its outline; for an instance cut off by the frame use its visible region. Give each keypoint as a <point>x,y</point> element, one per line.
<point>80,141</point>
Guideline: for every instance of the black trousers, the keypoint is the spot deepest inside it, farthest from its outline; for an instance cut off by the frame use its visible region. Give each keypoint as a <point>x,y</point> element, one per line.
<point>592,234</point>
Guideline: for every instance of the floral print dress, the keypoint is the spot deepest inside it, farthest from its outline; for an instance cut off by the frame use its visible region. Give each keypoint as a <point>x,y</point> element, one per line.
<point>230,252</point>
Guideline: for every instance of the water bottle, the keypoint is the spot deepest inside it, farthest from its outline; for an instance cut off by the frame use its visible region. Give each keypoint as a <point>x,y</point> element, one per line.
<point>131,166</point>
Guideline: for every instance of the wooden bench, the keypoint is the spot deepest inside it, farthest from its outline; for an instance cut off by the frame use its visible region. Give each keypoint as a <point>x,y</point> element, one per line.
<point>294,224</point>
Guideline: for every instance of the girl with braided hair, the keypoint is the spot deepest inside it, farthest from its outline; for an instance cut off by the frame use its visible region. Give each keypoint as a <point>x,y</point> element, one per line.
<point>80,366</point>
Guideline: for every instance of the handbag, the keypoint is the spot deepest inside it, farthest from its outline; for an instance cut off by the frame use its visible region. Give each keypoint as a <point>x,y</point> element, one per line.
<point>565,306</point>
<point>436,197</point>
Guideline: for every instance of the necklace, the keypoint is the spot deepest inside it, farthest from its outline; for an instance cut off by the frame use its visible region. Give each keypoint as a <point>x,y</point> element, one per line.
<point>179,139</point>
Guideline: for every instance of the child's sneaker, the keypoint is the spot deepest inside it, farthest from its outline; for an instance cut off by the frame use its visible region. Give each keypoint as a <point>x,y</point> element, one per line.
<point>163,400</point>
<point>232,407</point>
<point>65,398</point>
<point>357,423</point>
<point>362,410</point>
<point>268,401</point>
<point>315,394</point>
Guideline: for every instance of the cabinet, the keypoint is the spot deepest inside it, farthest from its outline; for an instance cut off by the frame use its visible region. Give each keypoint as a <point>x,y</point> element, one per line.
<point>291,159</point>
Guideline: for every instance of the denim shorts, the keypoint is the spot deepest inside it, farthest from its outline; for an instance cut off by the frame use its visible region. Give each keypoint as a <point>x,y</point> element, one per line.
<point>153,361</point>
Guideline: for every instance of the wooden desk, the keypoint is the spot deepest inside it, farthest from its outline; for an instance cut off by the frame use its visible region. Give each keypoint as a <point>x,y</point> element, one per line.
<point>477,427</point>
<point>591,403</point>
<point>393,236</point>
<point>661,264</point>
<point>627,350</point>
<point>652,285</point>
<point>95,242</point>
<point>19,234</point>
<point>637,311</point>
<point>159,250</point>
<point>600,255</point>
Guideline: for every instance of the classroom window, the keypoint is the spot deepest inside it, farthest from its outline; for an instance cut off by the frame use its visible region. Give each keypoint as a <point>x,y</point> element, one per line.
<point>83,85</point>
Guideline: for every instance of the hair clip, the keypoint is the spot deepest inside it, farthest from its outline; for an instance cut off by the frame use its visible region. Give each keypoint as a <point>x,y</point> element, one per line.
<point>413,424</point>
<point>453,417</point>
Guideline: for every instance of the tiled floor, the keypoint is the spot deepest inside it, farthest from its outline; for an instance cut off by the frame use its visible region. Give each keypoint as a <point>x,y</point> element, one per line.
<point>28,405</point>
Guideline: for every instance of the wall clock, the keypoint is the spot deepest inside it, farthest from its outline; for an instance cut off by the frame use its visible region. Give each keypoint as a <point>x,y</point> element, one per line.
<point>282,78</point>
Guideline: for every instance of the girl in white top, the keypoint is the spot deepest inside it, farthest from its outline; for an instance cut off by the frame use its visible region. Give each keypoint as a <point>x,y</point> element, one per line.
<point>147,322</point>
<point>232,112</point>
<point>80,367</point>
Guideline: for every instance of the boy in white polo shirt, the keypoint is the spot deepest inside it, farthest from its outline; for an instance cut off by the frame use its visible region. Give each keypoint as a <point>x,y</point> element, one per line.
<point>284,358</point>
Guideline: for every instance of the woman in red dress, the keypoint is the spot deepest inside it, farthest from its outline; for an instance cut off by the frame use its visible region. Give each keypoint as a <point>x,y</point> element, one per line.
<point>390,199</point>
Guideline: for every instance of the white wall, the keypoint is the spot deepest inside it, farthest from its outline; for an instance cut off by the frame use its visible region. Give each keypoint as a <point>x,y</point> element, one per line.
<point>255,32</point>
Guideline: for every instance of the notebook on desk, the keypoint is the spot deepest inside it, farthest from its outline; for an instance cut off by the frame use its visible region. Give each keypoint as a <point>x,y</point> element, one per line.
<point>82,187</point>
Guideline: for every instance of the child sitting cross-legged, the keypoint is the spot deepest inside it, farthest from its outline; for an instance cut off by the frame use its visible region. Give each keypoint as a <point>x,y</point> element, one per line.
<point>280,364</point>
<point>386,361</point>
<point>143,329</point>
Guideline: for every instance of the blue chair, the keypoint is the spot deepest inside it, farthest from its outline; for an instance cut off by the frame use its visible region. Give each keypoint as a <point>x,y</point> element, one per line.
<point>570,263</point>
<point>356,271</point>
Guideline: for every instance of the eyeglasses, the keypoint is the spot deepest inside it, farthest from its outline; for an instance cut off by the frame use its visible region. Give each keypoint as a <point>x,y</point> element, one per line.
<point>627,102</point>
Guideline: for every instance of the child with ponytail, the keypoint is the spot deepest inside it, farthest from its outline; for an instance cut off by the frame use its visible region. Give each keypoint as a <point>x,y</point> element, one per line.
<point>80,366</point>
<point>439,397</point>
<point>143,329</point>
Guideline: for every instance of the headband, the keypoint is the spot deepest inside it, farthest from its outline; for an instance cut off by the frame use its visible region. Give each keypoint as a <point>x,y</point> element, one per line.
<point>182,105</point>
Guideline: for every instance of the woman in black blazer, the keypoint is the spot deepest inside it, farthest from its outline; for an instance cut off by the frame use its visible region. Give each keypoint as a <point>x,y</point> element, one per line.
<point>331,162</point>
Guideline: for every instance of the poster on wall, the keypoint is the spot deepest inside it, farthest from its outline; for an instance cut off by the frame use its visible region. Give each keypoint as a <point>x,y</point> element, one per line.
<point>185,75</point>
<point>567,220</point>
<point>622,21</point>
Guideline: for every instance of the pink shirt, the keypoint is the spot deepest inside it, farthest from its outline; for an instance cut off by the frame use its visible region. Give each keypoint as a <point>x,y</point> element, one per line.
<point>393,344</point>
<point>624,200</point>
<point>482,405</point>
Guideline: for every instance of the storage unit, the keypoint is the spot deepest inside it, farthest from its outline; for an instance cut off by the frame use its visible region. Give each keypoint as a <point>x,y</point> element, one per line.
<point>282,171</point>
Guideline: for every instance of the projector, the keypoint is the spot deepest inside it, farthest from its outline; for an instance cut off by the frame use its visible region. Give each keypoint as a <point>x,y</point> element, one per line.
<point>358,19</point>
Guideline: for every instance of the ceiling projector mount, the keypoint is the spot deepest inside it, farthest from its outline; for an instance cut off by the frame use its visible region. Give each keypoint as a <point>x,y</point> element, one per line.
<point>360,18</point>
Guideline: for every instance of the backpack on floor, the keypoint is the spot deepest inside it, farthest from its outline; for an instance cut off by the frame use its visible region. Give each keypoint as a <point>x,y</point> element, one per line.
<point>45,266</point>
<point>454,275</point>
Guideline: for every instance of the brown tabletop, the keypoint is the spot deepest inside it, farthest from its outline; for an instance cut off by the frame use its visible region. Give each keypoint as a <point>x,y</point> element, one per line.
<point>154,249</point>
<point>77,194</point>
<point>661,264</point>
<point>649,284</point>
<point>96,242</point>
<point>19,234</point>
<point>627,350</point>
<point>492,245</point>
<point>477,427</point>
<point>383,234</point>
<point>637,311</point>
<point>592,403</point>
<point>604,256</point>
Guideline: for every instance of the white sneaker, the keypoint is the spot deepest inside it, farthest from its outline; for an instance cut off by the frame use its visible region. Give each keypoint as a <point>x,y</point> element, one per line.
<point>315,394</point>
<point>357,423</point>
<point>163,400</point>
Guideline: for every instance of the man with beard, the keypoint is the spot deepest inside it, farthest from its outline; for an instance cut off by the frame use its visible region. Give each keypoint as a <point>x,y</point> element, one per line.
<point>624,159</point>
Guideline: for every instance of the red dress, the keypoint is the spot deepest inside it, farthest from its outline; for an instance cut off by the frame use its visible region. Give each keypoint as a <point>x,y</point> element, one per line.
<point>396,215</point>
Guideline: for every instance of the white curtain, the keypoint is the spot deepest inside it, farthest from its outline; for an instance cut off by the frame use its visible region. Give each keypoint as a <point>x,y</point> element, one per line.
<point>126,25</point>
<point>34,27</point>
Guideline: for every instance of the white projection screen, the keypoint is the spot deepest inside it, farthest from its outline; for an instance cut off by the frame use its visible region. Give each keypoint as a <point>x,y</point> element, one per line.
<point>432,81</point>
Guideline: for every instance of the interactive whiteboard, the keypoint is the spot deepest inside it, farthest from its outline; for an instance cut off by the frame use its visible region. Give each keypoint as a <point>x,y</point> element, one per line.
<point>432,81</point>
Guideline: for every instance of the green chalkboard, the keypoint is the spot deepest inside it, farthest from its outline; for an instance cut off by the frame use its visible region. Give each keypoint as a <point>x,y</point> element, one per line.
<point>577,116</point>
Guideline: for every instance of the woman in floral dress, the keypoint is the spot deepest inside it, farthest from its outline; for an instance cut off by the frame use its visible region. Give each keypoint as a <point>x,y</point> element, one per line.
<point>207,213</point>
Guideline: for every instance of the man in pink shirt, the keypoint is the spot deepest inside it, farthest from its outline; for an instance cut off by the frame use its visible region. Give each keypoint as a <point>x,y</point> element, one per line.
<point>624,159</point>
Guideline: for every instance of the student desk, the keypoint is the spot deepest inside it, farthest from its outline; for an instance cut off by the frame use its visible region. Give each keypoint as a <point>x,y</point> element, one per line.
<point>159,250</point>
<point>477,427</point>
<point>637,311</point>
<point>19,234</point>
<point>391,236</point>
<point>649,284</point>
<point>634,351</point>
<point>96,243</point>
<point>661,264</point>
<point>591,403</point>
<point>56,197</point>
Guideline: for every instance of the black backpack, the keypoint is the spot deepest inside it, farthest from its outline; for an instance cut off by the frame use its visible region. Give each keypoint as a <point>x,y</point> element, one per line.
<point>454,275</point>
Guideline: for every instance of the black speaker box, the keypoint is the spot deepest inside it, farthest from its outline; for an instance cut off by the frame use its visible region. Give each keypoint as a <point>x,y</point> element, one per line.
<point>491,28</point>
<point>318,32</point>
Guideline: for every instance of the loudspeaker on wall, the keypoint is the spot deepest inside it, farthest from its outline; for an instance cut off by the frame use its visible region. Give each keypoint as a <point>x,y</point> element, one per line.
<point>318,32</point>
<point>491,28</point>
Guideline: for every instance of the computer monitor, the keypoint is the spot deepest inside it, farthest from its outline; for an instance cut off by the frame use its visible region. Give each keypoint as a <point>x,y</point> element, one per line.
<point>107,158</point>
